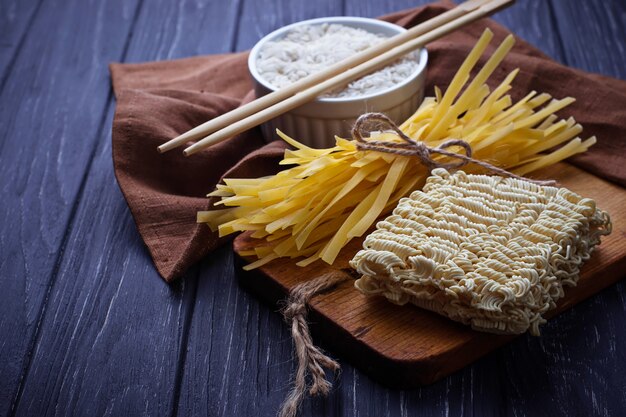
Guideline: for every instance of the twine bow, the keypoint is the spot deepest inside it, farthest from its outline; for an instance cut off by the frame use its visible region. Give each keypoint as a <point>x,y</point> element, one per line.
<point>411,147</point>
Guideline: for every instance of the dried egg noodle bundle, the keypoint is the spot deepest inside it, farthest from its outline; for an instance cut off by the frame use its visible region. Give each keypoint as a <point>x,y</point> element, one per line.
<point>333,195</point>
<point>487,251</point>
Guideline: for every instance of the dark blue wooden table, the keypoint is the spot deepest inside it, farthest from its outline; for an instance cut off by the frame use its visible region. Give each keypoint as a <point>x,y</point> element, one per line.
<point>88,328</point>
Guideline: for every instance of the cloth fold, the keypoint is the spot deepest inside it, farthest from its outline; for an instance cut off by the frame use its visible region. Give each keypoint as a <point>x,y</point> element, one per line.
<point>157,101</point>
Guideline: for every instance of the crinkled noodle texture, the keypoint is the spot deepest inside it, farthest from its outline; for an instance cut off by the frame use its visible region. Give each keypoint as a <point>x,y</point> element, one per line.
<point>488,251</point>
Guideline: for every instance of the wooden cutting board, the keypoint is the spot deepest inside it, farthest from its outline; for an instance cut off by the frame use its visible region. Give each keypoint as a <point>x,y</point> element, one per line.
<point>406,346</point>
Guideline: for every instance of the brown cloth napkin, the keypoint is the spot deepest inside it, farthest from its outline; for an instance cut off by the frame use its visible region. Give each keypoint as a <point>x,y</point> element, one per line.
<point>156,101</point>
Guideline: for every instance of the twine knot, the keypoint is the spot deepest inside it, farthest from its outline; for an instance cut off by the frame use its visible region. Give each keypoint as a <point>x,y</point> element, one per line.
<point>411,147</point>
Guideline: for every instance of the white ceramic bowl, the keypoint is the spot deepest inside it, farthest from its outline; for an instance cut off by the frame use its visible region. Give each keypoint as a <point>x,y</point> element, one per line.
<point>316,123</point>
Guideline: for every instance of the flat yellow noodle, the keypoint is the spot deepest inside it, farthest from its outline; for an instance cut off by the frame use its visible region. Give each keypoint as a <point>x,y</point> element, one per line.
<point>326,197</point>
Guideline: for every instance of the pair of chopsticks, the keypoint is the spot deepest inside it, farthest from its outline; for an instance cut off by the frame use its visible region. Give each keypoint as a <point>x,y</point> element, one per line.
<point>305,90</point>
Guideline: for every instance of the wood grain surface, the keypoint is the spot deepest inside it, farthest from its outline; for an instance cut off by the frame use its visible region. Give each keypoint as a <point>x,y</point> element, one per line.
<point>405,346</point>
<point>15,21</point>
<point>49,124</point>
<point>86,325</point>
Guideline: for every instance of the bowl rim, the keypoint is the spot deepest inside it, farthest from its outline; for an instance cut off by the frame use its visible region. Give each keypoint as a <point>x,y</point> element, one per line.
<point>422,56</point>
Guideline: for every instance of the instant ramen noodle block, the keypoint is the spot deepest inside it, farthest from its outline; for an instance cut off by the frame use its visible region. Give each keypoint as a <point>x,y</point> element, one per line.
<point>492,252</point>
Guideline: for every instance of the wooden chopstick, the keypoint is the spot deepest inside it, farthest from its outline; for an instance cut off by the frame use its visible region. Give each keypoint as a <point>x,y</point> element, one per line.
<point>349,73</point>
<point>345,77</point>
<point>263,102</point>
